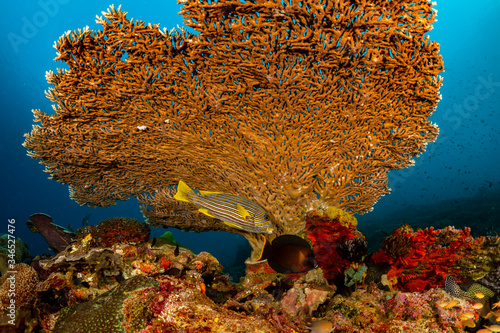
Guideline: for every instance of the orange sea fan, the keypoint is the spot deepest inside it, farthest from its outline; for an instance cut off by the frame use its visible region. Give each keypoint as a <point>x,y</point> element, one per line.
<point>297,105</point>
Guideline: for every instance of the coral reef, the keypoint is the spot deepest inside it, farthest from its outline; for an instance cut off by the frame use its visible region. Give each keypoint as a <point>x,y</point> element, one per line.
<point>422,259</point>
<point>116,230</point>
<point>492,280</point>
<point>104,313</point>
<point>17,296</point>
<point>18,252</point>
<point>373,310</point>
<point>160,286</point>
<point>295,105</point>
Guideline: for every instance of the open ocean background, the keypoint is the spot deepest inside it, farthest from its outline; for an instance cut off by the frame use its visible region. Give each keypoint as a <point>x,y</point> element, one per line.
<point>455,182</point>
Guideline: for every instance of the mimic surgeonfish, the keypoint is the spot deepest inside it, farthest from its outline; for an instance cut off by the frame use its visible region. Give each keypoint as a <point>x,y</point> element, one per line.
<point>233,210</point>
<point>289,254</point>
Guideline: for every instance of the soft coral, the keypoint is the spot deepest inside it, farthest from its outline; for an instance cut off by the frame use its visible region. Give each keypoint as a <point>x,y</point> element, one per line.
<point>422,259</point>
<point>325,233</point>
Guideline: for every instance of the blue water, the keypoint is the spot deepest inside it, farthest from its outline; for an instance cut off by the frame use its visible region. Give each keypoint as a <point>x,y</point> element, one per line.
<point>459,171</point>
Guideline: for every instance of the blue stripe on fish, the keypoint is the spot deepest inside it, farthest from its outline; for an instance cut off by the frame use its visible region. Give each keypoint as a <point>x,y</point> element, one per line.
<point>235,211</point>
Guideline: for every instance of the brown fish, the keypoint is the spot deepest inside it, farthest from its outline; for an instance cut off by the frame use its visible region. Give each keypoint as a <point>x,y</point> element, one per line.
<point>290,254</point>
<point>56,236</point>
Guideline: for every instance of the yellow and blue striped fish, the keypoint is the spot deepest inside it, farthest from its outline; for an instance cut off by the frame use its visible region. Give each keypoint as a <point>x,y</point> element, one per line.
<point>235,211</point>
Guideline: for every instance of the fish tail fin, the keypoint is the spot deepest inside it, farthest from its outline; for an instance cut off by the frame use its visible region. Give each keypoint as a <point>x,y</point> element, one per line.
<point>182,192</point>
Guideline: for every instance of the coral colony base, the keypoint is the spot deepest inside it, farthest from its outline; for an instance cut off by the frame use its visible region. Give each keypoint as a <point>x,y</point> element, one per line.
<point>285,117</point>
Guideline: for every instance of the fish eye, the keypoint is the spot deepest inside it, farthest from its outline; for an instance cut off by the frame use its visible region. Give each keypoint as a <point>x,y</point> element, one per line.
<point>266,217</point>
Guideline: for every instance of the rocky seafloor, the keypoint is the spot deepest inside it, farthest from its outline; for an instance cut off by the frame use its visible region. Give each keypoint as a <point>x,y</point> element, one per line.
<point>109,283</point>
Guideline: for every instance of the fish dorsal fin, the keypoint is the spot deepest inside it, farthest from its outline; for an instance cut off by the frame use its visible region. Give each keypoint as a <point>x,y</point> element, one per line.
<point>206,212</point>
<point>182,192</point>
<point>32,226</point>
<point>203,193</point>
<point>243,212</point>
<point>233,225</point>
<point>57,226</point>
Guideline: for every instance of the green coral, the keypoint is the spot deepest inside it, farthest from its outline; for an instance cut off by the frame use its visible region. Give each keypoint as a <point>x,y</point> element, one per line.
<point>166,238</point>
<point>352,276</point>
<point>20,249</point>
<point>103,314</point>
<point>483,259</point>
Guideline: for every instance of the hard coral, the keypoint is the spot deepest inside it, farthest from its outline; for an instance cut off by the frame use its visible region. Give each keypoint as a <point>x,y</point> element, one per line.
<point>305,297</point>
<point>17,295</point>
<point>492,280</point>
<point>374,311</point>
<point>295,105</point>
<point>180,307</point>
<point>103,314</point>
<point>116,230</point>
<point>21,252</point>
<point>100,259</point>
<point>422,259</point>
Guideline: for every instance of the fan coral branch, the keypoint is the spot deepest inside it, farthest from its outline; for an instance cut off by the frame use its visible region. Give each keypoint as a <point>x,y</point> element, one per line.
<point>296,105</point>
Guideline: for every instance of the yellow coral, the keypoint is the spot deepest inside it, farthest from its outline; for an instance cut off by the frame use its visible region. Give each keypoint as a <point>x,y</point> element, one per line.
<point>346,219</point>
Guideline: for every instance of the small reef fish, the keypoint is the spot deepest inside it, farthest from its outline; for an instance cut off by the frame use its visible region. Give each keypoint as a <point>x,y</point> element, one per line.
<point>469,323</point>
<point>477,306</point>
<point>479,295</point>
<point>442,304</point>
<point>289,254</point>
<point>320,326</point>
<point>233,210</point>
<point>493,328</point>
<point>451,304</point>
<point>494,315</point>
<point>467,316</point>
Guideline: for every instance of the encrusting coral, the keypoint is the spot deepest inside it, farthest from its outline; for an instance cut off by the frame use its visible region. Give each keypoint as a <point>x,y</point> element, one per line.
<point>296,105</point>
